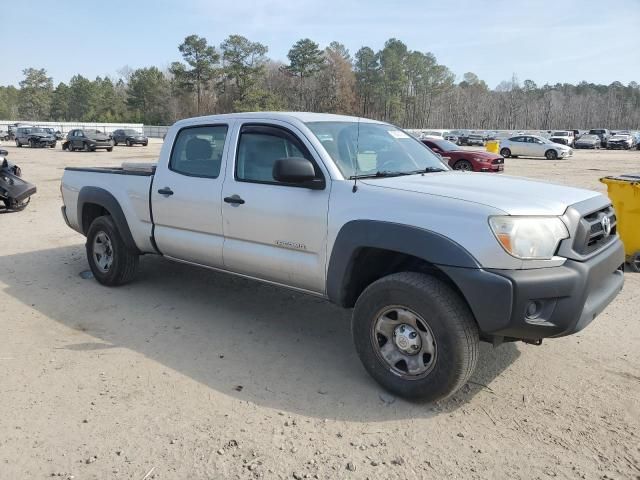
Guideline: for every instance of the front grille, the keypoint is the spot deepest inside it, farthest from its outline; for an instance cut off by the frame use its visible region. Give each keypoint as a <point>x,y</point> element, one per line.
<point>591,235</point>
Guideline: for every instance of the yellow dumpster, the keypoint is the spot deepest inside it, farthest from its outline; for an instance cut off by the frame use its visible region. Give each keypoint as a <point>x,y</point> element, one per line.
<point>493,146</point>
<point>624,192</point>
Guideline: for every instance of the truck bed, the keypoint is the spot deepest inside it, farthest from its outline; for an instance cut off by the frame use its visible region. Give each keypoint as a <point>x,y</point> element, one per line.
<point>129,185</point>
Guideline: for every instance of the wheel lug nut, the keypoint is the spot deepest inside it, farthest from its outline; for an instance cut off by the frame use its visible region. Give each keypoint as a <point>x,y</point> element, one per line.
<point>415,347</point>
<point>413,335</point>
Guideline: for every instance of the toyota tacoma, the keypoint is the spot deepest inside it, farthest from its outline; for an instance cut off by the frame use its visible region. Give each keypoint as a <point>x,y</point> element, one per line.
<point>358,212</point>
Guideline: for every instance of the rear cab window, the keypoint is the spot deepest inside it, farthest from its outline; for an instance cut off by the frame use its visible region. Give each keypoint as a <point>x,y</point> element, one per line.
<point>197,151</point>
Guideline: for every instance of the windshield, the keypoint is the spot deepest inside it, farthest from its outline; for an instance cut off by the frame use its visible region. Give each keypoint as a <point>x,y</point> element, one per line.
<point>38,130</point>
<point>444,145</point>
<point>377,148</point>
<point>596,132</point>
<point>131,132</point>
<point>588,137</point>
<point>560,134</point>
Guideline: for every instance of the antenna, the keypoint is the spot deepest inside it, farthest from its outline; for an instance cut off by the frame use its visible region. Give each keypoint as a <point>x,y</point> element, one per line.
<point>355,176</point>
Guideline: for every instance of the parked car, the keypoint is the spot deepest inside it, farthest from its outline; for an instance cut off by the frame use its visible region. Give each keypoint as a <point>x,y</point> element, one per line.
<point>462,135</point>
<point>449,137</point>
<point>35,137</point>
<point>475,139</point>
<point>87,140</point>
<point>624,141</point>
<point>57,134</point>
<point>130,137</point>
<point>468,160</point>
<point>362,214</point>
<point>533,146</point>
<point>564,137</point>
<point>603,133</point>
<point>588,141</point>
<point>4,135</point>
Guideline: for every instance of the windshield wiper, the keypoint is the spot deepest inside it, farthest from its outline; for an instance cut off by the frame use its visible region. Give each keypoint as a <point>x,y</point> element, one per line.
<point>379,174</point>
<point>426,170</point>
<point>387,173</point>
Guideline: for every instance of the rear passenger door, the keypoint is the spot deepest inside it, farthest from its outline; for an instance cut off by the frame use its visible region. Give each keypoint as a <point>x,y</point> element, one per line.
<point>518,146</point>
<point>274,231</point>
<point>186,196</point>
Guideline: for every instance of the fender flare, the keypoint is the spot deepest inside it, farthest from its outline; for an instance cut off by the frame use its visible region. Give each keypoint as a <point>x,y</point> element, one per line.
<point>418,242</point>
<point>103,198</point>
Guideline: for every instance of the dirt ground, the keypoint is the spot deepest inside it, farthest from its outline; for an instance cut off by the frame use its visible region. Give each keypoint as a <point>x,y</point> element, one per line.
<point>187,373</point>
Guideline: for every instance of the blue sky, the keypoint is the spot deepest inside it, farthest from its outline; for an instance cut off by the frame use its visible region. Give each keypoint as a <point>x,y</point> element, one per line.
<point>546,41</point>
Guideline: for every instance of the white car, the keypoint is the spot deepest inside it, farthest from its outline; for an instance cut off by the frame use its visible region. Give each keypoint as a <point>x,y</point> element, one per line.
<point>533,146</point>
<point>564,137</point>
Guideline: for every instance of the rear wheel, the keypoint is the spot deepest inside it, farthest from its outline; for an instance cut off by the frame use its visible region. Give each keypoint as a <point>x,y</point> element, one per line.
<point>32,143</point>
<point>551,154</point>
<point>18,144</point>
<point>115,142</point>
<point>85,147</point>
<point>415,336</point>
<point>464,165</point>
<point>129,144</point>
<point>110,149</point>
<point>505,152</point>
<point>111,262</point>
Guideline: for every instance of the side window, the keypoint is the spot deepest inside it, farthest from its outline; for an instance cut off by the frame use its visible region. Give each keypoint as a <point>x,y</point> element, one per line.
<point>260,146</point>
<point>197,151</point>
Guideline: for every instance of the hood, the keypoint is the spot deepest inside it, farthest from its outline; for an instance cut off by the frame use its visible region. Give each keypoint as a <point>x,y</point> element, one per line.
<point>512,195</point>
<point>482,155</point>
<point>100,137</point>
<point>561,146</point>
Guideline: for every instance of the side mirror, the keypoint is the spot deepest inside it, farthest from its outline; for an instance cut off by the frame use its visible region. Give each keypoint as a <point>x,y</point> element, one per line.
<point>297,170</point>
<point>3,153</point>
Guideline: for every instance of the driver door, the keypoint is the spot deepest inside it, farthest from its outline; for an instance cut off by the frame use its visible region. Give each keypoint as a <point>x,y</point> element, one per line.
<point>274,231</point>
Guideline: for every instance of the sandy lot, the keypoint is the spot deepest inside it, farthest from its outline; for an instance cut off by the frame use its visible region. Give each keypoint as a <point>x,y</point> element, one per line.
<point>186,373</point>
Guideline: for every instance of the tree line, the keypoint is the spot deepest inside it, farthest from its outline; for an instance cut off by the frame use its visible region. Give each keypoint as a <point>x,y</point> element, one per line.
<point>405,87</point>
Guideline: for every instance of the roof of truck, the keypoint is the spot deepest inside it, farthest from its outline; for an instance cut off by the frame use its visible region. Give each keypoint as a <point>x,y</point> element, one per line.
<point>304,117</point>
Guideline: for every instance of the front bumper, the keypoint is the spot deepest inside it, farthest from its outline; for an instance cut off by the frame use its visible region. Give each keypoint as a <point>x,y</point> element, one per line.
<point>566,298</point>
<point>138,141</point>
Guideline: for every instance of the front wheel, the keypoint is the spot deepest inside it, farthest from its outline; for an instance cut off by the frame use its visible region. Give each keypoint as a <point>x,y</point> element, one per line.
<point>111,262</point>
<point>634,262</point>
<point>551,154</point>
<point>505,152</point>
<point>464,165</point>
<point>415,336</point>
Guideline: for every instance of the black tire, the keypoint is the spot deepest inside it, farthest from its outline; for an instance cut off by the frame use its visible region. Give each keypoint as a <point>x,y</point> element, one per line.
<point>145,144</point>
<point>634,262</point>
<point>115,142</point>
<point>18,144</point>
<point>110,149</point>
<point>32,143</point>
<point>464,165</point>
<point>124,262</point>
<point>551,154</point>
<point>129,144</point>
<point>85,147</point>
<point>505,152</point>
<point>450,322</point>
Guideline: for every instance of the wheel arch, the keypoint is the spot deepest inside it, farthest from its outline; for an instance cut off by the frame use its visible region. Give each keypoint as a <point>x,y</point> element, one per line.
<point>94,202</point>
<point>366,250</point>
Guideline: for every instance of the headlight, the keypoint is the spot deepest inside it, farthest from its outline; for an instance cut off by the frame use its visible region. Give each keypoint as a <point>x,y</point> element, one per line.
<point>529,237</point>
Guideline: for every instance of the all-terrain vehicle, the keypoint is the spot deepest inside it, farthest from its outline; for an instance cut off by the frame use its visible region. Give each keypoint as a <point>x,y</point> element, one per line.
<point>15,193</point>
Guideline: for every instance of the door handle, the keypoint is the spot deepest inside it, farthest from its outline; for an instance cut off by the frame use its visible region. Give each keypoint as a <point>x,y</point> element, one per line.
<point>165,191</point>
<point>235,199</point>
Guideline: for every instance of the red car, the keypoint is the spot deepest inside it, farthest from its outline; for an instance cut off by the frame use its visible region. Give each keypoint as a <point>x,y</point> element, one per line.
<point>459,159</point>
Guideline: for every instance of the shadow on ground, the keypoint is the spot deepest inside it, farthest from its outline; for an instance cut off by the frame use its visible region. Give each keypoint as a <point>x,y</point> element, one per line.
<point>288,351</point>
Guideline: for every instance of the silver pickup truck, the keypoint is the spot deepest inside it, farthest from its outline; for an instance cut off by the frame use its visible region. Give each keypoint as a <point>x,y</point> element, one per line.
<point>357,211</point>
